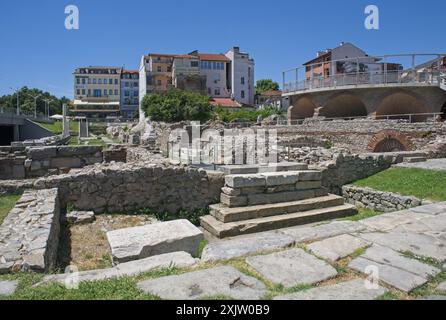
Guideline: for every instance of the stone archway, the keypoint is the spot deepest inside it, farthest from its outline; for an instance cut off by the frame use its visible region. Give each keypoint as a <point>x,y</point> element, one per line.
<point>401,103</point>
<point>344,106</point>
<point>390,141</point>
<point>302,108</point>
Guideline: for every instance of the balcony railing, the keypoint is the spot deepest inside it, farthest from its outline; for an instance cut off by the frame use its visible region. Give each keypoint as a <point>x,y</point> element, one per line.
<point>366,71</point>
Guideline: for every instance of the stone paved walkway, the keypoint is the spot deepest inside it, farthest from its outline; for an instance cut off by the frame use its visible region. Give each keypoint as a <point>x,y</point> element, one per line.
<point>405,249</point>
<point>432,164</point>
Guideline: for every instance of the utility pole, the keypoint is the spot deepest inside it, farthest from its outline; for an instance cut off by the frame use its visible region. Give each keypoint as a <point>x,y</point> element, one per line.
<point>47,106</point>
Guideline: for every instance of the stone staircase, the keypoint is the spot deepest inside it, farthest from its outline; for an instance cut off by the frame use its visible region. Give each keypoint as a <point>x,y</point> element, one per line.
<point>272,199</point>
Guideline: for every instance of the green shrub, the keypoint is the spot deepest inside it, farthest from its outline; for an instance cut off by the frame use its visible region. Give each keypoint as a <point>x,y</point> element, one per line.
<point>177,105</point>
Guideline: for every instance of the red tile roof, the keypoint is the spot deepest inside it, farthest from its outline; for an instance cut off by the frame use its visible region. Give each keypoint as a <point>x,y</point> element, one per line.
<point>272,93</point>
<point>225,103</point>
<point>130,71</point>
<point>213,57</point>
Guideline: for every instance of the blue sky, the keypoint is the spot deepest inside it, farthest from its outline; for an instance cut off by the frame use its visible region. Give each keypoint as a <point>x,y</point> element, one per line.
<point>36,50</point>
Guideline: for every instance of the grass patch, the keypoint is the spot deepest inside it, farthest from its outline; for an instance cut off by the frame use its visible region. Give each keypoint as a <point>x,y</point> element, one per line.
<point>201,247</point>
<point>423,184</point>
<point>363,213</point>
<point>6,204</point>
<point>56,127</point>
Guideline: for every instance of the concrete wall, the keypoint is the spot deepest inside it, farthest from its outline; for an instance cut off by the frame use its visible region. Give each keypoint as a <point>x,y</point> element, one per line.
<point>242,66</point>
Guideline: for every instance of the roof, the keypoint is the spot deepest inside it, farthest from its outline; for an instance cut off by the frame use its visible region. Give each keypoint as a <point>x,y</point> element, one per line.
<point>225,103</point>
<point>272,93</point>
<point>130,71</point>
<point>329,51</point>
<point>213,57</point>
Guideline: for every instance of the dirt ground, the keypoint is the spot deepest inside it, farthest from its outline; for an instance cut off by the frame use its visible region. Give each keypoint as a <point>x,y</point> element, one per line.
<point>86,246</point>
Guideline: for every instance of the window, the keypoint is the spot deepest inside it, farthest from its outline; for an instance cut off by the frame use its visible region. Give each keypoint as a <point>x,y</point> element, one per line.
<point>217,91</point>
<point>100,81</point>
<point>110,81</point>
<point>116,92</point>
<point>214,65</point>
<point>110,92</point>
<point>78,81</point>
<point>89,92</point>
<point>243,80</point>
<point>243,94</point>
<point>135,93</point>
<point>194,64</point>
<point>83,80</point>
<point>83,92</point>
<point>94,81</point>
<point>169,69</point>
<point>136,84</point>
<point>159,82</point>
<point>105,92</point>
<point>127,93</point>
<point>89,81</point>
<point>78,92</point>
<point>126,84</point>
<point>116,81</point>
<point>159,69</point>
<point>209,91</point>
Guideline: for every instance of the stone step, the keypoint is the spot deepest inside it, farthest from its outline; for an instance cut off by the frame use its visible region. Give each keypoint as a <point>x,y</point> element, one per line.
<point>226,214</point>
<point>270,198</point>
<point>232,229</point>
<point>256,168</point>
<point>414,159</point>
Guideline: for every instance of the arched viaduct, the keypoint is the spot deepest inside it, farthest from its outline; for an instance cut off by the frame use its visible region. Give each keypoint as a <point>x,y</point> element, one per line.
<point>371,101</point>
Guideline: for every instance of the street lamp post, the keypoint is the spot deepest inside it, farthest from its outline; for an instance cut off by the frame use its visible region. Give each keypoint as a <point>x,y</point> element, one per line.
<point>47,106</point>
<point>17,90</point>
<point>35,103</point>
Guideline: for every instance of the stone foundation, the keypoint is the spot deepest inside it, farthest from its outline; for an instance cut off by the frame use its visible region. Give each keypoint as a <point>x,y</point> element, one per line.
<point>378,200</point>
<point>29,236</point>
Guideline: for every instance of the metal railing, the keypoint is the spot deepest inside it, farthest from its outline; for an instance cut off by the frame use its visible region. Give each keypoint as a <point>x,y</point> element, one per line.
<point>366,71</point>
<point>12,112</point>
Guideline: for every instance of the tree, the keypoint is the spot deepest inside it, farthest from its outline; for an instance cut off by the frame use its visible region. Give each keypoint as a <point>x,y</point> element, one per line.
<point>26,101</point>
<point>266,85</point>
<point>177,105</point>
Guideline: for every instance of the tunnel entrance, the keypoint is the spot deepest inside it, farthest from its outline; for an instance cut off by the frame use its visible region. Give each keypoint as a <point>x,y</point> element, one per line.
<point>390,141</point>
<point>6,135</point>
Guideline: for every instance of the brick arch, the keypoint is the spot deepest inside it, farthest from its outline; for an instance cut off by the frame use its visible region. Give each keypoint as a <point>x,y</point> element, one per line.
<point>344,105</point>
<point>301,108</point>
<point>390,141</point>
<point>401,102</point>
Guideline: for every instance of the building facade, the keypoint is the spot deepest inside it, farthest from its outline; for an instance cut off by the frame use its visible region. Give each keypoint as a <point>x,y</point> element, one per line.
<point>129,93</point>
<point>97,91</point>
<point>220,76</point>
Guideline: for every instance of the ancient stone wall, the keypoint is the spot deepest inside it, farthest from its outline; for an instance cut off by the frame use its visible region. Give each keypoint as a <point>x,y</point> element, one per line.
<point>31,162</point>
<point>30,233</point>
<point>345,169</point>
<point>378,200</point>
<point>129,187</point>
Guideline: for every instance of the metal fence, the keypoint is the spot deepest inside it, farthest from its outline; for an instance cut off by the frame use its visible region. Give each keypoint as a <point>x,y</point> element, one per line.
<point>368,71</point>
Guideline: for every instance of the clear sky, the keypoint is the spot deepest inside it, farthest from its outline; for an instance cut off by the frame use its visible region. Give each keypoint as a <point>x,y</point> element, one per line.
<point>36,50</point>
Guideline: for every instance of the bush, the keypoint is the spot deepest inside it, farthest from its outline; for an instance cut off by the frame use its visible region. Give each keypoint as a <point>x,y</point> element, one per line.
<point>177,105</point>
<point>246,114</point>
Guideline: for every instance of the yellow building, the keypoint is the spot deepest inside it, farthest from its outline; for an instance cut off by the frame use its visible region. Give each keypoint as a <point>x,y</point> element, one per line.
<point>97,91</point>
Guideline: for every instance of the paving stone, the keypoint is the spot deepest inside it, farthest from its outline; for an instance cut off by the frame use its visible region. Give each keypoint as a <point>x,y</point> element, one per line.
<point>431,209</point>
<point>80,217</point>
<point>314,233</point>
<point>429,224</point>
<point>292,267</point>
<point>154,239</point>
<point>8,288</point>
<point>442,286</point>
<point>245,181</point>
<point>389,221</point>
<point>174,259</point>
<point>350,290</point>
<point>390,257</point>
<point>225,280</point>
<point>338,247</point>
<point>244,245</point>
<point>419,244</point>
<point>393,268</point>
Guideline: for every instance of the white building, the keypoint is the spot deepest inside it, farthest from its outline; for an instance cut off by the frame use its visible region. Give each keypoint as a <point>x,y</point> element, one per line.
<point>241,76</point>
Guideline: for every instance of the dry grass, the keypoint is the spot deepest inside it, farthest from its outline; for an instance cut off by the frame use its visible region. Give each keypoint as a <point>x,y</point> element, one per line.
<point>88,246</point>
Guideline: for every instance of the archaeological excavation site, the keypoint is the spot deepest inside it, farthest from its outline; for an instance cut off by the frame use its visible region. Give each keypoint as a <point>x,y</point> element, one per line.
<point>267,211</point>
